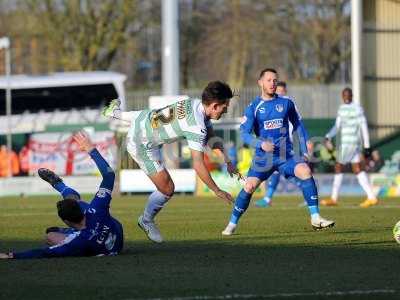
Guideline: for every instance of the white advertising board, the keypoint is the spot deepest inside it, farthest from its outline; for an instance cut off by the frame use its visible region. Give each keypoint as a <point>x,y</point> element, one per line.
<point>136,181</point>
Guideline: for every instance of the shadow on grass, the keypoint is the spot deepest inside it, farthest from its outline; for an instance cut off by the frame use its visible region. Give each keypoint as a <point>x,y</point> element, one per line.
<point>216,267</point>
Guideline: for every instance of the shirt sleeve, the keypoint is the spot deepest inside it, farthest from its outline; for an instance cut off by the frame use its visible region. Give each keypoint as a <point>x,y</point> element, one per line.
<point>103,195</point>
<point>74,245</point>
<point>334,129</point>
<point>247,128</point>
<point>364,129</point>
<point>303,137</point>
<point>197,140</point>
<point>106,171</point>
<point>298,126</point>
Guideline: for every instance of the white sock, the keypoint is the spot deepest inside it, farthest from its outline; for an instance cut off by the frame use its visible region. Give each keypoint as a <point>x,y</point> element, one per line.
<point>125,116</point>
<point>154,205</point>
<point>337,182</point>
<point>364,182</point>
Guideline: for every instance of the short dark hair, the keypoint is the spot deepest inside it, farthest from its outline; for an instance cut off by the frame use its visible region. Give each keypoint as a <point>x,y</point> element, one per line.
<point>70,210</point>
<point>267,70</point>
<point>281,84</point>
<point>216,91</point>
<point>347,89</point>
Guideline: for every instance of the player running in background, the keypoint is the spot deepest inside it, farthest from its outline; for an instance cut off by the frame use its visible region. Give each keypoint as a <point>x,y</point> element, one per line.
<point>187,119</point>
<point>272,183</point>
<point>268,116</point>
<point>353,128</point>
<point>92,230</point>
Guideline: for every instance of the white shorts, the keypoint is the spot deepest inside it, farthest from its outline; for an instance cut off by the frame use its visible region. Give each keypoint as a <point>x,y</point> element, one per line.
<point>148,158</point>
<point>349,154</point>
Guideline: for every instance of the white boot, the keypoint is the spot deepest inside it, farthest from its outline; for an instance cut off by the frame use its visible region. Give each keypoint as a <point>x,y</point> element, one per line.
<point>230,229</point>
<point>318,223</point>
<point>151,230</point>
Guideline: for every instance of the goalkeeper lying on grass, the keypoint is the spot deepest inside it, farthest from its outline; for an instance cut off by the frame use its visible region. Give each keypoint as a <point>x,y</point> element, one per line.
<point>92,230</point>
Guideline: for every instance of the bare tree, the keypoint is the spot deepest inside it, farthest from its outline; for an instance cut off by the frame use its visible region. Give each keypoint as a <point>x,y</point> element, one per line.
<point>85,35</point>
<point>232,40</point>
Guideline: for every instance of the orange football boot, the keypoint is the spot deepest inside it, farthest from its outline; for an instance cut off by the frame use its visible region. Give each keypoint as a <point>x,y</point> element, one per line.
<point>328,202</point>
<point>369,202</point>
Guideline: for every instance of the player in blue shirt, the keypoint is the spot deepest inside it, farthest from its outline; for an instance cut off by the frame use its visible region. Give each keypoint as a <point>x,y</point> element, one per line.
<point>268,117</point>
<point>92,230</point>
<point>272,184</point>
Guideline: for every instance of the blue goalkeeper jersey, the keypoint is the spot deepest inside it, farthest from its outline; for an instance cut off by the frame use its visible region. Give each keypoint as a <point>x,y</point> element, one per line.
<point>103,234</point>
<point>268,120</point>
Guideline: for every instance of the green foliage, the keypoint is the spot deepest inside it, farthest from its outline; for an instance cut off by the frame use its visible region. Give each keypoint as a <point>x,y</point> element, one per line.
<point>85,35</point>
<point>232,40</point>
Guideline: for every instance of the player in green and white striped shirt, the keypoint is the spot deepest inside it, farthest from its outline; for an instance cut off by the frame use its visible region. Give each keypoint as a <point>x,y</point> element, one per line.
<point>352,126</point>
<point>187,119</point>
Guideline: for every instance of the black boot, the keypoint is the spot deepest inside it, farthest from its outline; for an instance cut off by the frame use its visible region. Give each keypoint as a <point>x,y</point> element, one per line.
<point>49,176</point>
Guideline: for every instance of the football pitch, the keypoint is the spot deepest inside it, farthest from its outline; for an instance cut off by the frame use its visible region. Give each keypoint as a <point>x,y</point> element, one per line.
<point>274,255</point>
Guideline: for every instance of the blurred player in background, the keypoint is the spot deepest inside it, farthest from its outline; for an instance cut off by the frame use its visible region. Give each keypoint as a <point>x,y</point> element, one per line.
<point>187,119</point>
<point>272,183</point>
<point>268,116</point>
<point>91,231</point>
<point>353,128</point>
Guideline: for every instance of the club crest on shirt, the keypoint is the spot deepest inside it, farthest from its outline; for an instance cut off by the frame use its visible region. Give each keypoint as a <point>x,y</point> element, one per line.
<point>279,107</point>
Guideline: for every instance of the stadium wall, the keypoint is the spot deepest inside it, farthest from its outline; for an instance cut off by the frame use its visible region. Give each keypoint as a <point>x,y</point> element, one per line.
<point>381,65</point>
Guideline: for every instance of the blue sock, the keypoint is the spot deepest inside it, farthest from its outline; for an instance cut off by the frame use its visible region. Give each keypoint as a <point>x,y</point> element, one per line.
<point>65,190</point>
<point>241,204</point>
<point>310,194</point>
<point>272,185</point>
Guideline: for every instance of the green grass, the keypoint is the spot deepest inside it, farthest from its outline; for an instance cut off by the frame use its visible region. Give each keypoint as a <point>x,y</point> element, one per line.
<point>274,254</point>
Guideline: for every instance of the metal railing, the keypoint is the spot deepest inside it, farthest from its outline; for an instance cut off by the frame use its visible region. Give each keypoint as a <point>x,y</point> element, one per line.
<point>313,101</point>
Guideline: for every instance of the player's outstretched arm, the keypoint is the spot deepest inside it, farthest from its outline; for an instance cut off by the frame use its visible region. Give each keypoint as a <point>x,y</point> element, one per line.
<point>304,139</point>
<point>298,127</point>
<point>75,247</point>
<point>333,131</point>
<point>217,143</point>
<point>201,170</point>
<point>364,131</point>
<point>84,143</point>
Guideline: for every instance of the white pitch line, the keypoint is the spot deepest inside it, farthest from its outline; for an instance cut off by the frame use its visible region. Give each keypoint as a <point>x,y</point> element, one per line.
<point>278,295</point>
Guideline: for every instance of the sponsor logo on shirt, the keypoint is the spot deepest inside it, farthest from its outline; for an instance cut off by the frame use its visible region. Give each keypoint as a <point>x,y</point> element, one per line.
<point>180,110</point>
<point>279,107</point>
<point>102,193</point>
<point>273,124</point>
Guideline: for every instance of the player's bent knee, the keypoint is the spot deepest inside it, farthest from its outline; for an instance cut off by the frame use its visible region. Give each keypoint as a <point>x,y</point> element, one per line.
<point>249,188</point>
<point>302,171</point>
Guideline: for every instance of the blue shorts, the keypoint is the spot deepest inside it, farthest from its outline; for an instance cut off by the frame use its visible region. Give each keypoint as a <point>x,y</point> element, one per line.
<point>262,169</point>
